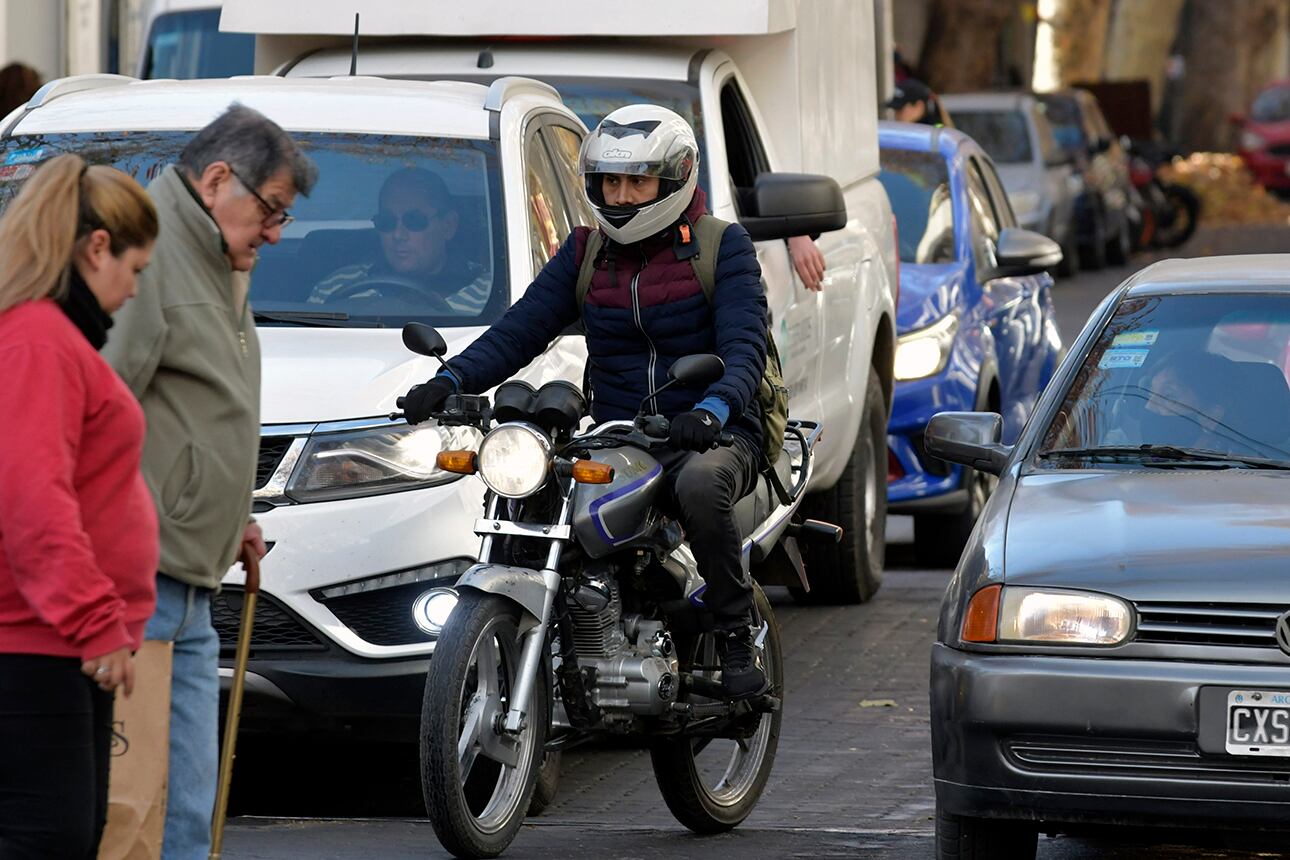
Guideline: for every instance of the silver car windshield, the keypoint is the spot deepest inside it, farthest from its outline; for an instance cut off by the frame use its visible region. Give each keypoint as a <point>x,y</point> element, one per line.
<point>397,229</point>
<point>1003,134</point>
<point>1183,376</point>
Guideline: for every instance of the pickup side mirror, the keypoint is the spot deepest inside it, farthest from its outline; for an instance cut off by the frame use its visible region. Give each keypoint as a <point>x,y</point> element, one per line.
<point>969,439</point>
<point>424,339</point>
<point>1024,252</point>
<point>701,369</point>
<point>794,204</point>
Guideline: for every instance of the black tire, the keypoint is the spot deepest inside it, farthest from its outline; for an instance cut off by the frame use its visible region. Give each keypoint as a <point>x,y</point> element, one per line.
<point>1185,215</point>
<point>1092,255</point>
<point>683,778</point>
<point>1119,245</point>
<point>850,571</point>
<point>962,838</point>
<point>1069,266</point>
<point>547,785</point>
<point>478,817</point>
<point>939,538</point>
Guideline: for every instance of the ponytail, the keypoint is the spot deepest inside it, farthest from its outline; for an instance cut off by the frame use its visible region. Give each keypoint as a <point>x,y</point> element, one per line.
<point>64,201</point>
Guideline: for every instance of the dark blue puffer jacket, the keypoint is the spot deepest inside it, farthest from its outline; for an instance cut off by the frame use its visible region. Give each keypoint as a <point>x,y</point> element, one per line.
<point>652,313</point>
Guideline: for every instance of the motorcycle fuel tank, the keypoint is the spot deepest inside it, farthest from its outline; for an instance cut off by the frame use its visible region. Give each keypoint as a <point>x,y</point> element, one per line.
<point>607,517</point>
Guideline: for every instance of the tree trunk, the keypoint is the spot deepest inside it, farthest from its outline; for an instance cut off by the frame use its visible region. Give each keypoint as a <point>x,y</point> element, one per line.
<point>1142,35</point>
<point>1076,34</point>
<point>960,51</point>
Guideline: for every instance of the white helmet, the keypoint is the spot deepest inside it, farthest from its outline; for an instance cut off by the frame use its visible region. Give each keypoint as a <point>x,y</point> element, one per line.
<point>640,140</point>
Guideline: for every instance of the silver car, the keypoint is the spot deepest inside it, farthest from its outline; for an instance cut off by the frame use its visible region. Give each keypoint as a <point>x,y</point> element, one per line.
<point>1040,177</point>
<point>1114,647</point>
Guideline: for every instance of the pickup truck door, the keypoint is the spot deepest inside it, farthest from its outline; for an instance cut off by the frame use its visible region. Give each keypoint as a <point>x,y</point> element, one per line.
<point>737,152</point>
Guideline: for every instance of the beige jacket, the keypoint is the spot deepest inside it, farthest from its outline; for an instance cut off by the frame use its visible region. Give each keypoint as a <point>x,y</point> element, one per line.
<point>186,346</point>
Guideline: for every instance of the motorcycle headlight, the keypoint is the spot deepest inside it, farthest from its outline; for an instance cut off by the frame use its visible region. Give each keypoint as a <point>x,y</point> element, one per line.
<point>514,460</point>
<point>1252,141</point>
<point>924,352</point>
<point>1063,617</point>
<point>376,460</point>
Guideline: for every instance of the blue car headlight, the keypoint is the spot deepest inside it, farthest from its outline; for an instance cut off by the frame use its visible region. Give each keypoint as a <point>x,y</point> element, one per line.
<point>925,352</point>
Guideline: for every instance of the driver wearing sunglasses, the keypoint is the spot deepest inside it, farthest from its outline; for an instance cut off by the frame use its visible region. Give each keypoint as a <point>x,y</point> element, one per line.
<point>415,220</point>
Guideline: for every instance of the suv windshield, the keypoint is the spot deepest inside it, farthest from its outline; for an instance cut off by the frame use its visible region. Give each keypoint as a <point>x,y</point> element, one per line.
<point>1002,134</point>
<point>918,184</point>
<point>397,228</point>
<point>1194,373</point>
<point>189,44</point>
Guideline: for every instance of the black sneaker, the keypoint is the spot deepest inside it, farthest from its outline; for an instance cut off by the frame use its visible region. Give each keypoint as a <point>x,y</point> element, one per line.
<point>740,675</point>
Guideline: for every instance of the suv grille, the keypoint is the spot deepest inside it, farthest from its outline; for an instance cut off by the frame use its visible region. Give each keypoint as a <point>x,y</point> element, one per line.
<point>272,450</point>
<point>1232,624</point>
<point>275,628</point>
<point>381,617</point>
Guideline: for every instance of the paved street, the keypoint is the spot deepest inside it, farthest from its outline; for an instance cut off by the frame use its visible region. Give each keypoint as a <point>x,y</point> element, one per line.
<point>853,776</point>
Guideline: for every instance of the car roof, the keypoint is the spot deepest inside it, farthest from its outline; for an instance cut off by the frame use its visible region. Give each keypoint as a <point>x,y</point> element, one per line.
<point>351,104</point>
<point>987,101</point>
<point>921,137</point>
<point>1237,273</point>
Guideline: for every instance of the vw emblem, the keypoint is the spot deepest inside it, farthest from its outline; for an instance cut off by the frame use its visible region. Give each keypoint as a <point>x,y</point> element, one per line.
<point>1283,632</point>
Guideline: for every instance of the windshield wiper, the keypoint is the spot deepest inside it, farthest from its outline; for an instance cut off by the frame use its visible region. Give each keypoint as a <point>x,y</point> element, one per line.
<point>1161,455</point>
<point>314,318</point>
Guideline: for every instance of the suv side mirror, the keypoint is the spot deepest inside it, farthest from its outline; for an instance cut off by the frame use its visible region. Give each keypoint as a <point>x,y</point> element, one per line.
<point>1024,252</point>
<point>702,369</point>
<point>794,204</point>
<point>424,339</point>
<point>969,439</point>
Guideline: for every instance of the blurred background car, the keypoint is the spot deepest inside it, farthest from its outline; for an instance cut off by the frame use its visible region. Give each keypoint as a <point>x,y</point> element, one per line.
<point>1265,137</point>
<point>1040,177</point>
<point>1108,212</point>
<point>975,324</point>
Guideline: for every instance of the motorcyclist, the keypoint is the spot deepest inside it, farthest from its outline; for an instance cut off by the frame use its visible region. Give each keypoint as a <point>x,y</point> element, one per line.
<point>645,309</point>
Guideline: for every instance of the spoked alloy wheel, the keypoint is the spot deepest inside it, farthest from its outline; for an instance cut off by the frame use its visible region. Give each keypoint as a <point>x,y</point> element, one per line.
<point>477,782</point>
<point>711,784</point>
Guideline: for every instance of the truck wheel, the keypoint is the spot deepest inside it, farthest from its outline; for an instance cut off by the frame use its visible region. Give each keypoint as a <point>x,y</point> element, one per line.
<point>962,838</point>
<point>850,571</point>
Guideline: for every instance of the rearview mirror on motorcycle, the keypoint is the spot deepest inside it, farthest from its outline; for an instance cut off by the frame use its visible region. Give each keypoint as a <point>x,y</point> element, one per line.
<point>424,340</point>
<point>703,368</point>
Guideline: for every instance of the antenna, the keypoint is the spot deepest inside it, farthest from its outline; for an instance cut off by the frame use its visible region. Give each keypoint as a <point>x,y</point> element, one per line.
<point>353,54</point>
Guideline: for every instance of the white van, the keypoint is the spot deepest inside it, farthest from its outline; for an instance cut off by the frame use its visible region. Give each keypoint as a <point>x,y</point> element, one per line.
<point>182,40</point>
<point>782,85</point>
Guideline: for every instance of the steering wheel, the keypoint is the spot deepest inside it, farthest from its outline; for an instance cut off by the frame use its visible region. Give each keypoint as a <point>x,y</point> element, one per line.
<point>390,285</point>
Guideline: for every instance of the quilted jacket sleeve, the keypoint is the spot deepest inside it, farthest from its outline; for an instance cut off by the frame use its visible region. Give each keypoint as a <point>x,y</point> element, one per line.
<point>739,311</point>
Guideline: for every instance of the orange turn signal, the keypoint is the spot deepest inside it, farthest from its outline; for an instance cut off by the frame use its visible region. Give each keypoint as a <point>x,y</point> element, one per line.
<point>981,624</point>
<point>591,472</point>
<point>458,462</point>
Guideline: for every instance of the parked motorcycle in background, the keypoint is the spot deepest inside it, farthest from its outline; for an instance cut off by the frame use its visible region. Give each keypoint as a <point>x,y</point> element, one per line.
<point>1170,212</point>
<point>585,615</point>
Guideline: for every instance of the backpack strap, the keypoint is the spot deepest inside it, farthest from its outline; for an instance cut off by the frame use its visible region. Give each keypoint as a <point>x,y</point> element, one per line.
<point>708,231</point>
<point>587,271</point>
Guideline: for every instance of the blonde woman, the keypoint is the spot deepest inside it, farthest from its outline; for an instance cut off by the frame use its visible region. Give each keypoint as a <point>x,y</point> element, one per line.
<point>78,531</point>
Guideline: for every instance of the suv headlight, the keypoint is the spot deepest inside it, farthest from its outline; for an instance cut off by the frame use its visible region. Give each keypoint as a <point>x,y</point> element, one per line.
<point>925,351</point>
<point>1063,617</point>
<point>514,460</point>
<point>378,460</point>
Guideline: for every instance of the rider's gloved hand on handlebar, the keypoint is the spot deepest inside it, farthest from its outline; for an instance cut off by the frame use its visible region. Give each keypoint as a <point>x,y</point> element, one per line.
<point>696,430</point>
<point>427,398</point>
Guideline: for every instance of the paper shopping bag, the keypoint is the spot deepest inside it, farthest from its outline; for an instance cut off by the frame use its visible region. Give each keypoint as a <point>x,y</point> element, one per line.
<point>140,760</point>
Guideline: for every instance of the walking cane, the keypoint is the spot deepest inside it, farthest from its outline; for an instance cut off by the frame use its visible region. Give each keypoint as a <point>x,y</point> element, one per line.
<point>251,565</point>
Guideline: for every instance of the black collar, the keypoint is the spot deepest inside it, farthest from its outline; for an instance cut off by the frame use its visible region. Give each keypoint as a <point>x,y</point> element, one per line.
<point>83,309</point>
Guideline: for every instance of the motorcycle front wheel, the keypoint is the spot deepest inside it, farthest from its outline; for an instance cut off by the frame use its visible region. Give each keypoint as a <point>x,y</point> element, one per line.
<point>477,782</point>
<point>711,784</point>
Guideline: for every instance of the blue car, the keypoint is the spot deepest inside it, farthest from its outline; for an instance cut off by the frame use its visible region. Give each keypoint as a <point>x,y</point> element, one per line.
<point>975,322</point>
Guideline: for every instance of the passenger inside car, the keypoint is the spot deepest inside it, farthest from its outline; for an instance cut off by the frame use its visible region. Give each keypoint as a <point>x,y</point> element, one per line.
<point>416,220</point>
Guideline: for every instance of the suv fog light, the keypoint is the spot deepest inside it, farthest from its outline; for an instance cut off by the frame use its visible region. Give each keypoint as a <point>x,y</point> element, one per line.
<point>431,610</point>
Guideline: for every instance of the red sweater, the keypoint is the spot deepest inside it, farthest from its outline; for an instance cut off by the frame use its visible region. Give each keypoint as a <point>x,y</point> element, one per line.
<point>78,530</point>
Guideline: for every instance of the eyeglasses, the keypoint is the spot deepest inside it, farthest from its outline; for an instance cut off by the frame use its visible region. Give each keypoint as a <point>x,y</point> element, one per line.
<point>276,217</point>
<point>413,220</point>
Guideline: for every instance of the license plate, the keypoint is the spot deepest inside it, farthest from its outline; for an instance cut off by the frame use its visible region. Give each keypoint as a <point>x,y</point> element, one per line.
<point>1258,722</point>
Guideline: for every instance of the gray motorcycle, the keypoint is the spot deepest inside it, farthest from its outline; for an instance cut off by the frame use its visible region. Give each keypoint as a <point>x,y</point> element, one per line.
<point>585,615</point>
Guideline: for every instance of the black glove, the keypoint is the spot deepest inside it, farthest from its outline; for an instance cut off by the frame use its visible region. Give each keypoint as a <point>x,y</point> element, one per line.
<point>696,430</point>
<point>427,397</point>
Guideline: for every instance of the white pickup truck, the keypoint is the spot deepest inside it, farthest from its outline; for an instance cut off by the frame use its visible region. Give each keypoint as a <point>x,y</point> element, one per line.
<point>774,85</point>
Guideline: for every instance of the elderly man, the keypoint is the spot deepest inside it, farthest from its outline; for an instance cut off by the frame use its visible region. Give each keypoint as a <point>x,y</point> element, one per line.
<point>188,350</point>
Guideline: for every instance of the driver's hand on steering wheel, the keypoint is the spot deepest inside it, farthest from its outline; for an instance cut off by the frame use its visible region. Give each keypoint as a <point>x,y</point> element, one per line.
<point>427,398</point>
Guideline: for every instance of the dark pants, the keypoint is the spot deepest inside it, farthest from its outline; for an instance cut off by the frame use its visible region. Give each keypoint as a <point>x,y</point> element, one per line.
<point>704,488</point>
<point>55,733</point>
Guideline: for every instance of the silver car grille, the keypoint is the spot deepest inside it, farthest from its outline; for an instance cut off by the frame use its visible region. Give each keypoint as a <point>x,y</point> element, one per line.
<point>1249,625</point>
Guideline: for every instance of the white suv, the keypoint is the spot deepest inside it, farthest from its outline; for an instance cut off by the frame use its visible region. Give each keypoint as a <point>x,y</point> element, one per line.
<point>360,521</point>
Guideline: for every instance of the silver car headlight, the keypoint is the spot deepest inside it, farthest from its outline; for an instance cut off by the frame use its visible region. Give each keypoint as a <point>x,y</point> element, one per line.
<point>514,460</point>
<point>376,460</point>
<point>924,352</point>
<point>1063,617</point>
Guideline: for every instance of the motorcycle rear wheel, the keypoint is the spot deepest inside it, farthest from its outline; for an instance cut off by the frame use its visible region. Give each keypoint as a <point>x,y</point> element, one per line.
<point>712,784</point>
<point>477,784</point>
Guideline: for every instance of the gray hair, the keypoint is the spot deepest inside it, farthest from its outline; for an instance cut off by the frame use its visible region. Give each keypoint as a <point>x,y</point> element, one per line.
<point>255,147</point>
